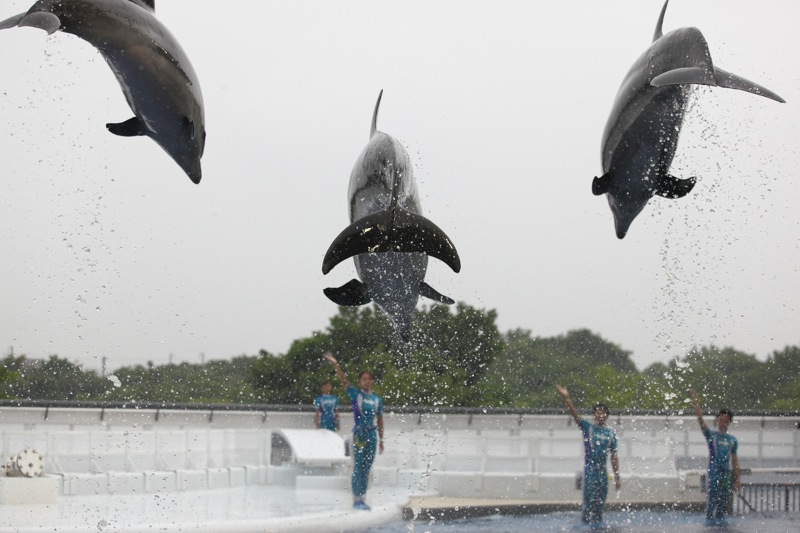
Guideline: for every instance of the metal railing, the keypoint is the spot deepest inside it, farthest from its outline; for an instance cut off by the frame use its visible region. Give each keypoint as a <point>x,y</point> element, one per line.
<point>765,497</point>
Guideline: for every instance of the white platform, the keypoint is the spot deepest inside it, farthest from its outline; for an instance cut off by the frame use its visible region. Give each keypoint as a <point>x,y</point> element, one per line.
<point>314,447</point>
<point>25,490</point>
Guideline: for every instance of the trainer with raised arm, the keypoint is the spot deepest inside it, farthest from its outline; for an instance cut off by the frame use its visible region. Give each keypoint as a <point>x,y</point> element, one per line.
<point>723,464</point>
<point>598,441</point>
<point>367,429</point>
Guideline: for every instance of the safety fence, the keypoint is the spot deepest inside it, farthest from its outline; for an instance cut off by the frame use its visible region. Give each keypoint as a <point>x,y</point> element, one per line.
<point>767,497</point>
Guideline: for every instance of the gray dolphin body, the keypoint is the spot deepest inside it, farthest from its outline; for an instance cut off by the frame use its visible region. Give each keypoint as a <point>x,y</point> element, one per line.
<point>388,235</point>
<point>641,134</point>
<point>156,77</point>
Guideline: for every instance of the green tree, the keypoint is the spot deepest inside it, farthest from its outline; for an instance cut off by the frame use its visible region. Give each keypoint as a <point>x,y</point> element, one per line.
<point>8,377</point>
<point>618,389</point>
<point>724,378</point>
<point>448,355</point>
<point>529,367</point>
<point>54,378</point>
<point>212,382</point>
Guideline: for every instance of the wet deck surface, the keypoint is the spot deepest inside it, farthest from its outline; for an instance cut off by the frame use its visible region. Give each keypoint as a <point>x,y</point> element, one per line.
<point>283,509</point>
<point>242,509</point>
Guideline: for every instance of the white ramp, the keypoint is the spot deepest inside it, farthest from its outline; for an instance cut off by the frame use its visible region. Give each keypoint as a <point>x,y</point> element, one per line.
<point>313,447</point>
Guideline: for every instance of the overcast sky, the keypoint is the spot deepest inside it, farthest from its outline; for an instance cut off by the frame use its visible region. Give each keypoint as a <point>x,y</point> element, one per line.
<point>109,250</point>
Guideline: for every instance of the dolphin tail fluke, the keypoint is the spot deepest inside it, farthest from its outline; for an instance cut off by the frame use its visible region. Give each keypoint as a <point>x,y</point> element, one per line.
<point>43,20</point>
<point>12,22</point>
<point>685,76</point>
<point>672,187</point>
<point>353,293</point>
<point>374,127</point>
<point>404,331</point>
<point>395,230</point>
<point>732,81</point>
<point>659,25</point>
<point>715,78</point>
<point>429,292</point>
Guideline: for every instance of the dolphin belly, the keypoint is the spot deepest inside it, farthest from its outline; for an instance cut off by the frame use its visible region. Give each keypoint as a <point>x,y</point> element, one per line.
<point>393,280</point>
<point>647,146</point>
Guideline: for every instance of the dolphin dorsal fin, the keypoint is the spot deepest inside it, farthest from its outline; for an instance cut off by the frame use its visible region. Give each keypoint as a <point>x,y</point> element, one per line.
<point>658,33</point>
<point>375,116</point>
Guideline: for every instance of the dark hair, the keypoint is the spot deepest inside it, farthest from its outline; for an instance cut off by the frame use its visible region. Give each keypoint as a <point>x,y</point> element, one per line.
<point>600,405</point>
<point>327,382</point>
<point>365,372</point>
<point>726,411</point>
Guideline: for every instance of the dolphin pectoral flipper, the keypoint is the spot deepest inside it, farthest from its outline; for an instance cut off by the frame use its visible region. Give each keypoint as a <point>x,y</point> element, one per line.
<point>352,293</point>
<point>685,76</point>
<point>730,80</point>
<point>392,231</point>
<point>672,187</point>
<point>429,292</point>
<point>130,128</point>
<point>600,185</point>
<point>415,233</point>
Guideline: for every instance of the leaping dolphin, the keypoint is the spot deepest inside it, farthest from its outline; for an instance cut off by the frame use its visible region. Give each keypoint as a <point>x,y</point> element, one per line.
<point>641,134</point>
<point>388,235</point>
<point>156,77</point>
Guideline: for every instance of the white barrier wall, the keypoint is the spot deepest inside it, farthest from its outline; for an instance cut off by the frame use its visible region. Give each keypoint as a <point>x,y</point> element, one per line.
<point>467,455</point>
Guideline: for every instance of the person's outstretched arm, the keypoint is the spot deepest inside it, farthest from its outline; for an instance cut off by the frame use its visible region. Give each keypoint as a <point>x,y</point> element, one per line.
<point>338,369</point>
<point>698,411</point>
<point>570,406</point>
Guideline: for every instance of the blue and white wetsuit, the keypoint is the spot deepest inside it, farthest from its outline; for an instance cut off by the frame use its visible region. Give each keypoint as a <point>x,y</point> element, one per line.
<point>366,406</point>
<point>597,442</point>
<point>719,481</point>
<point>327,404</point>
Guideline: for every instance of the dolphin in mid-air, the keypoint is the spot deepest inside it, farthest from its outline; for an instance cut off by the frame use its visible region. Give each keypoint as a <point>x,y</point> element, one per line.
<point>156,77</point>
<point>641,134</point>
<point>388,235</point>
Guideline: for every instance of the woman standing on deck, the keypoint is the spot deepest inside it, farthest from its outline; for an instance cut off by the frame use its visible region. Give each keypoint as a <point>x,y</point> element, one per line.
<point>367,407</point>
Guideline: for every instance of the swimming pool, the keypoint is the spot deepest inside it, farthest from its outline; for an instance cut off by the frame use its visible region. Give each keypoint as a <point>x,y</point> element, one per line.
<point>616,521</point>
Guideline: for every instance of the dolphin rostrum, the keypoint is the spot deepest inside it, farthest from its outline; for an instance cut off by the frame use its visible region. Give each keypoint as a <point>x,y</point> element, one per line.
<point>641,134</point>
<point>156,77</point>
<point>388,235</point>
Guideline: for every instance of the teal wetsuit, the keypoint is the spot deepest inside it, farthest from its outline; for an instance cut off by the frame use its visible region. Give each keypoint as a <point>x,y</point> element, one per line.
<point>719,481</point>
<point>366,406</point>
<point>327,404</point>
<point>597,442</point>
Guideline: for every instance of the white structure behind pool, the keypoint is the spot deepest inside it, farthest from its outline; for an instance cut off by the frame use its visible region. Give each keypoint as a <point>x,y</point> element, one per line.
<point>116,452</point>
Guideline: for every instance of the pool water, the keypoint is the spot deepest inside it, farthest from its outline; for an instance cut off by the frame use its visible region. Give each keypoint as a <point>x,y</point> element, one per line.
<point>616,522</point>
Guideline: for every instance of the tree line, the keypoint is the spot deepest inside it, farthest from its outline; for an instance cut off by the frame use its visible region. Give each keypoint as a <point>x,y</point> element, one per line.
<point>456,358</point>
